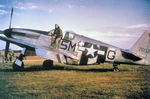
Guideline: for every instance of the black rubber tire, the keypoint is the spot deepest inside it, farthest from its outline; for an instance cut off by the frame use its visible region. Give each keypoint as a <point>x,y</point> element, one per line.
<point>18,68</point>
<point>47,64</point>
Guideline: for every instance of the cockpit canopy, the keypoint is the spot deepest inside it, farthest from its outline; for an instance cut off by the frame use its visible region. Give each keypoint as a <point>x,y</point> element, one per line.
<point>68,35</point>
<point>52,31</point>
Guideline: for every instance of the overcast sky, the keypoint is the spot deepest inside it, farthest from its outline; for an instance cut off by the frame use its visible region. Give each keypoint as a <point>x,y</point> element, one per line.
<point>116,22</point>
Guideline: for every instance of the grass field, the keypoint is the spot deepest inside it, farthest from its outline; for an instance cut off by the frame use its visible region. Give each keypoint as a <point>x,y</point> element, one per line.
<point>74,82</point>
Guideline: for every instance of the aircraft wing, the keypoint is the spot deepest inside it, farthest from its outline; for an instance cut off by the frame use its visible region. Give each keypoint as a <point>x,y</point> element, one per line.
<point>18,42</point>
<point>44,52</point>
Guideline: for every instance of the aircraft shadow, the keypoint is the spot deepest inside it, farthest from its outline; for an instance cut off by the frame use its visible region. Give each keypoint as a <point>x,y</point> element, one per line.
<point>40,68</point>
<point>35,68</point>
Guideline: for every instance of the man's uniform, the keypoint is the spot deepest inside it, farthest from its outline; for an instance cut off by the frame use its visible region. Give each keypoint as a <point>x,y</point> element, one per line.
<point>10,55</point>
<point>56,37</point>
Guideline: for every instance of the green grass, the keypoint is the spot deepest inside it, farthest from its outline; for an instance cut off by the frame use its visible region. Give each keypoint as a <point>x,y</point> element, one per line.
<point>75,82</point>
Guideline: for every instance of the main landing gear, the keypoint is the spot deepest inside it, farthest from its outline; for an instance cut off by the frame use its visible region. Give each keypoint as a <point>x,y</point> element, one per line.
<point>47,64</point>
<point>116,69</point>
<point>18,64</point>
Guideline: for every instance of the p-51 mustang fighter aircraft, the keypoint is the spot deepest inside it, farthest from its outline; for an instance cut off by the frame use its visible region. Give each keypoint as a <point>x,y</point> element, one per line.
<point>74,49</point>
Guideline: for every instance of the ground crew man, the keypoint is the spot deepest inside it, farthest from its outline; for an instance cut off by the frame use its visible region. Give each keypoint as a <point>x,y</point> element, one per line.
<point>56,37</point>
<point>10,55</point>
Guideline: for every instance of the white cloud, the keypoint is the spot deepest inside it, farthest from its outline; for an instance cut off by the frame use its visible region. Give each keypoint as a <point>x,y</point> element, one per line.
<point>17,26</point>
<point>50,10</point>
<point>25,6</point>
<point>2,12</point>
<point>113,34</point>
<point>2,6</point>
<point>33,6</point>
<point>70,6</point>
<point>129,31</point>
<point>139,26</point>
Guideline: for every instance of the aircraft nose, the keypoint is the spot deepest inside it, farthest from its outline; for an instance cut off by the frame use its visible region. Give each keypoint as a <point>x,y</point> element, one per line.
<point>1,32</point>
<point>7,32</point>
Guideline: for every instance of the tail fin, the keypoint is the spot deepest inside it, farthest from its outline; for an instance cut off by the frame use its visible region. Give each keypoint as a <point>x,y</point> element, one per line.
<point>142,46</point>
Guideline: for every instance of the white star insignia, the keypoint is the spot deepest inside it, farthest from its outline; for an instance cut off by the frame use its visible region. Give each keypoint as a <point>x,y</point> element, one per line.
<point>91,51</point>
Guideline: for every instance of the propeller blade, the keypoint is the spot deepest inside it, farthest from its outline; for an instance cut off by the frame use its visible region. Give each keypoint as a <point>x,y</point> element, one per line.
<point>11,17</point>
<point>6,50</point>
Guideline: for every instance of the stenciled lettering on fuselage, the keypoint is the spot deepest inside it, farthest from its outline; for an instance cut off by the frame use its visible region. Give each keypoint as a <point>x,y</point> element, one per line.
<point>111,54</point>
<point>92,53</point>
<point>144,50</point>
<point>67,45</point>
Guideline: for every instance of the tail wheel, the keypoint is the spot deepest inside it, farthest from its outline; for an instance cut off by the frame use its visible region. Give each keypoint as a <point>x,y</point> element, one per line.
<point>47,64</point>
<point>116,69</point>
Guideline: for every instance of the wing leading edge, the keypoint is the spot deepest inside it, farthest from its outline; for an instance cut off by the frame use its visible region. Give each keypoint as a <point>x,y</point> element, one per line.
<point>44,52</point>
<point>18,42</point>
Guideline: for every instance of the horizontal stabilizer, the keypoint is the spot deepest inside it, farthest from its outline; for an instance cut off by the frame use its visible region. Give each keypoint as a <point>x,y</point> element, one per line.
<point>130,56</point>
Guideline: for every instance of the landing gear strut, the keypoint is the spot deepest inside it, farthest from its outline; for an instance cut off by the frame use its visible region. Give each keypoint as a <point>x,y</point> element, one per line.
<point>116,67</point>
<point>18,64</point>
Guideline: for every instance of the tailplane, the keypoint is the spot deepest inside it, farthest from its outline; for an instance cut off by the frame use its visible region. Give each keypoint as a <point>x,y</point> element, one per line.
<point>142,47</point>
